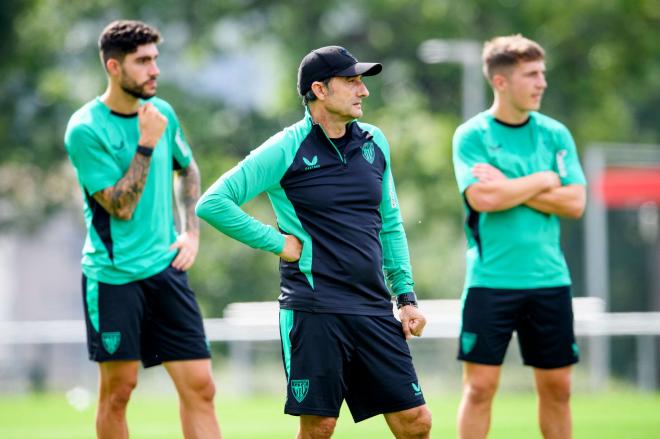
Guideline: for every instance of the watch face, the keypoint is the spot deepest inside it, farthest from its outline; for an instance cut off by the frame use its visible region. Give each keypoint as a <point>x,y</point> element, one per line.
<point>403,303</point>
<point>406,298</point>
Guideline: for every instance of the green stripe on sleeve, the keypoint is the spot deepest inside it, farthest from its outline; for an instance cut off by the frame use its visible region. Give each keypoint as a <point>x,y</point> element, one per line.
<point>286,323</point>
<point>259,172</point>
<point>396,258</point>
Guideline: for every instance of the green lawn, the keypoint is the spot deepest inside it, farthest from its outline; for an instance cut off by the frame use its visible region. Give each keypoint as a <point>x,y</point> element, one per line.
<point>604,416</point>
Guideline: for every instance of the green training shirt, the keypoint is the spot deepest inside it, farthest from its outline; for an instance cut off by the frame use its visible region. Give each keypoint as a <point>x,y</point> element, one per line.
<point>101,145</point>
<point>518,247</point>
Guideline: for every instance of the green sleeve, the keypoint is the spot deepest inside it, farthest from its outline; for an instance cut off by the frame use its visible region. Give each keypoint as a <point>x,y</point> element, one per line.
<point>568,162</point>
<point>259,172</point>
<point>467,151</point>
<point>96,168</point>
<point>181,152</point>
<point>396,258</point>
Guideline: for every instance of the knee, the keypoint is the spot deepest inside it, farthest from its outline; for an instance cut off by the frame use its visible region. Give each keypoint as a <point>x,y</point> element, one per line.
<point>318,428</point>
<point>556,391</point>
<point>118,395</point>
<point>202,388</point>
<point>480,391</point>
<point>418,422</point>
<point>325,428</point>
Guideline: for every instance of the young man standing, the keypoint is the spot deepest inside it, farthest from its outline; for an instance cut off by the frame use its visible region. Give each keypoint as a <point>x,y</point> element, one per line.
<point>330,184</point>
<point>126,146</point>
<point>518,172</point>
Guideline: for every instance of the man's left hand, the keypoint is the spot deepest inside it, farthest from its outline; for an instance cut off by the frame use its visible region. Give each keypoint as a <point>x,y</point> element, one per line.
<point>188,245</point>
<point>485,173</point>
<point>412,321</point>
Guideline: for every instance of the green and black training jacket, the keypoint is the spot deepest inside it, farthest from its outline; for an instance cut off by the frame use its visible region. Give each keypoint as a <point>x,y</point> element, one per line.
<point>339,199</point>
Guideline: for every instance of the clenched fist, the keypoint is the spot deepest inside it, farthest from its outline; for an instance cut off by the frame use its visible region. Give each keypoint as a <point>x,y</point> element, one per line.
<point>152,124</point>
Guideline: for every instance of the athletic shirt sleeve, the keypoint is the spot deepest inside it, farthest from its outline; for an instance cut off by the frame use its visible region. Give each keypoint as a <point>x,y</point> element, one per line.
<point>567,159</point>
<point>220,205</point>
<point>467,151</point>
<point>96,168</point>
<point>396,258</point>
<point>181,152</point>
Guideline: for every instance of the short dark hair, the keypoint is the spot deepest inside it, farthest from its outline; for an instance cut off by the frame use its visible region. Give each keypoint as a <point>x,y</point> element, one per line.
<point>310,96</point>
<point>507,51</point>
<point>122,37</point>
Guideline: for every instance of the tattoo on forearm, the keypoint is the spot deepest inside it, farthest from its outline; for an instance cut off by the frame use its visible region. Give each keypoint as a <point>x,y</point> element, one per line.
<point>189,192</point>
<point>121,199</point>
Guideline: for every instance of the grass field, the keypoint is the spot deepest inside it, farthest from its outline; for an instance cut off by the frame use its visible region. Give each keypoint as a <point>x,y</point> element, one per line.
<point>602,416</point>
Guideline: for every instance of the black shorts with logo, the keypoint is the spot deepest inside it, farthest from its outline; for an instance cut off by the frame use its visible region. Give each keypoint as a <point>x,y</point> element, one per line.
<point>331,357</point>
<point>154,320</point>
<point>542,318</point>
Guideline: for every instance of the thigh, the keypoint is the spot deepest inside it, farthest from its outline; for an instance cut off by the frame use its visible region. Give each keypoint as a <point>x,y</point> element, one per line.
<point>414,422</point>
<point>545,331</point>
<point>314,353</point>
<point>113,317</point>
<point>488,320</point>
<point>118,376</point>
<point>553,383</point>
<point>173,328</point>
<point>191,376</point>
<point>381,377</point>
<point>482,379</point>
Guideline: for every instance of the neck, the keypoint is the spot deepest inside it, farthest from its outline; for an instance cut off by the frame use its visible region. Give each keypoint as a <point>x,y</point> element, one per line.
<point>119,101</point>
<point>333,126</point>
<point>508,113</point>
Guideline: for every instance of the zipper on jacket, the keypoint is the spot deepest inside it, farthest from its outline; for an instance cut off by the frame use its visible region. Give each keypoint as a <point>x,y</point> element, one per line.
<point>341,157</point>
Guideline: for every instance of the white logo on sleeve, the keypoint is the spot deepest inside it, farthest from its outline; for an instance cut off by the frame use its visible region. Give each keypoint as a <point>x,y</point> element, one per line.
<point>561,164</point>
<point>183,146</point>
<point>392,195</point>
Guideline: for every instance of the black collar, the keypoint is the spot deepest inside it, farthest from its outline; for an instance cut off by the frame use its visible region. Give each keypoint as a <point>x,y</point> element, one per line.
<point>512,125</point>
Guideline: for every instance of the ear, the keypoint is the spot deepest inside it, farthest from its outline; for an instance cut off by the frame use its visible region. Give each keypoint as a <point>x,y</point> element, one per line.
<point>113,66</point>
<point>499,81</point>
<point>319,90</point>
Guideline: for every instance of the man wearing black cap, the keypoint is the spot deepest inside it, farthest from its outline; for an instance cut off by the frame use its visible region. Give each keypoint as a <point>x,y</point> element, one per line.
<point>340,234</point>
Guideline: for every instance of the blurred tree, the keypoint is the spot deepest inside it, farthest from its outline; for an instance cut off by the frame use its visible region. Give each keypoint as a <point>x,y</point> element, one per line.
<point>229,68</point>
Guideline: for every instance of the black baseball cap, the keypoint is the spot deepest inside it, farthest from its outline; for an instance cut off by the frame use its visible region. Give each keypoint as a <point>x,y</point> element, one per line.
<point>329,61</point>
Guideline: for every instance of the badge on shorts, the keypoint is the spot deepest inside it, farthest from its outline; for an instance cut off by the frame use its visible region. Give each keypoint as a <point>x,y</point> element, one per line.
<point>468,340</point>
<point>111,341</point>
<point>299,389</point>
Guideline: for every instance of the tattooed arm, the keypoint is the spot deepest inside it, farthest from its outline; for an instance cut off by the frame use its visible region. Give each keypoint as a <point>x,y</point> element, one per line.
<point>120,200</point>
<point>187,195</point>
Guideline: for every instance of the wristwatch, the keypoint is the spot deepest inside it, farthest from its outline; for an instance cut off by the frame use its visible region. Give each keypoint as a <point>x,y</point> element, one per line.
<point>145,150</point>
<point>406,299</point>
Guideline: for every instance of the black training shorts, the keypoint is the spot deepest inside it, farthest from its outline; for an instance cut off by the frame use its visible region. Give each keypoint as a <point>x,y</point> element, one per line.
<point>154,320</point>
<point>332,357</point>
<point>542,318</point>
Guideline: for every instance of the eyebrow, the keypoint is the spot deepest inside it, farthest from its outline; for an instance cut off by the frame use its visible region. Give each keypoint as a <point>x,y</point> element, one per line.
<point>146,57</point>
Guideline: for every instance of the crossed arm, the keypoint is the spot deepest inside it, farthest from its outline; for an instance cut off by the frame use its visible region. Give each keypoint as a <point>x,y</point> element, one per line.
<point>541,191</point>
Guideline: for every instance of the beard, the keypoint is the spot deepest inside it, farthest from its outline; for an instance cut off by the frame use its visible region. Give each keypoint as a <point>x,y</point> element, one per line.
<point>134,89</point>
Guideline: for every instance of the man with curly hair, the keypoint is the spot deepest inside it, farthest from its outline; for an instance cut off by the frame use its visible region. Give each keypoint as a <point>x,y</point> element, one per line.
<point>126,146</point>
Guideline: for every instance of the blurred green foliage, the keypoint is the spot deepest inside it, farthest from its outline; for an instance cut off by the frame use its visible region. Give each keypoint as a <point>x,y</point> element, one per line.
<point>603,63</point>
